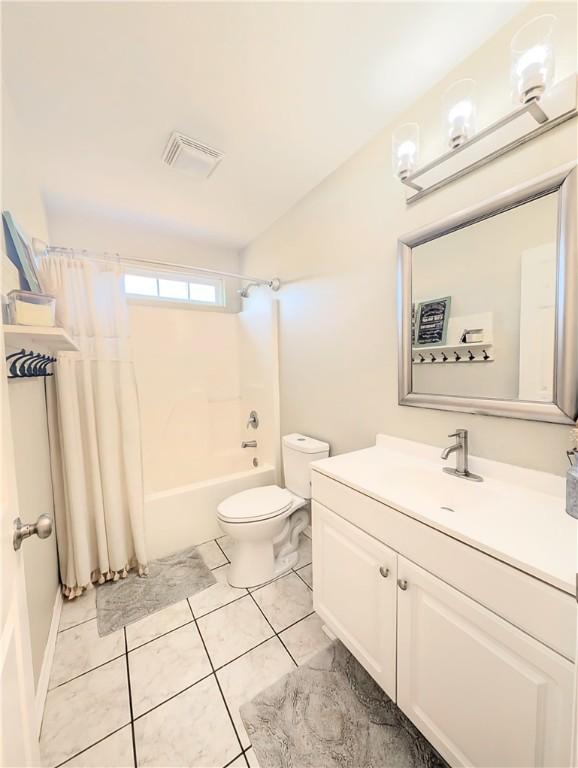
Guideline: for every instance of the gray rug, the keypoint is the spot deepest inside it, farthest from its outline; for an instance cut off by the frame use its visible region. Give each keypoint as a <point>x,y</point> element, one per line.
<point>170,579</point>
<point>330,713</point>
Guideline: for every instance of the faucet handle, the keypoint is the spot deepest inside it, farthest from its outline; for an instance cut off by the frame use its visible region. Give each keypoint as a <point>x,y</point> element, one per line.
<point>459,433</point>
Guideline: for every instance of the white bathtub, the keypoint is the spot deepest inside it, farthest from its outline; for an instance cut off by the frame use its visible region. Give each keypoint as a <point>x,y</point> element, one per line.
<point>184,516</point>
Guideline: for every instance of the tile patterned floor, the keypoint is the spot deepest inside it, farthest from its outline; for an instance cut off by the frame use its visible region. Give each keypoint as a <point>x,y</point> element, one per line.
<point>166,690</point>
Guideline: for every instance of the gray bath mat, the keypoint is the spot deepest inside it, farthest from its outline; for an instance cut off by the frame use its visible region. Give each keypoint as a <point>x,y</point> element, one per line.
<point>330,713</point>
<point>170,579</point>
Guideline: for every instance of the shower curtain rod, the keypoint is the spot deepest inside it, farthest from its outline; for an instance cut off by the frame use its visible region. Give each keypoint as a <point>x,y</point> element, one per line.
<point>274,283</point>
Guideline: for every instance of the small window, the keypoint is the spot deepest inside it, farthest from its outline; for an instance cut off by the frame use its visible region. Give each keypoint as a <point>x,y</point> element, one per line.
<point>175,288</point>
<point>202,292</point>
<point>140,285</point>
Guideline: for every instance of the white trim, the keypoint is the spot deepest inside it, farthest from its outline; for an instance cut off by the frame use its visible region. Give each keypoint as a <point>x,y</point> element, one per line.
<point>48,658</point>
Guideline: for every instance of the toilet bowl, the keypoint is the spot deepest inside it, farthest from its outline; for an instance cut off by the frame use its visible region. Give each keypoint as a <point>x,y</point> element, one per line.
<point>265,523</point>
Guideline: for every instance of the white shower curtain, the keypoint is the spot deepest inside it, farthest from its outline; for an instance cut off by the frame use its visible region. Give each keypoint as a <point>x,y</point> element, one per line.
<point>94,426</point>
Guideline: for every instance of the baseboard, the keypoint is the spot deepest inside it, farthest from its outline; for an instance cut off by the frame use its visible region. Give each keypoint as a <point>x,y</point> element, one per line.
<point>47,659</point>
<point>328,632</point>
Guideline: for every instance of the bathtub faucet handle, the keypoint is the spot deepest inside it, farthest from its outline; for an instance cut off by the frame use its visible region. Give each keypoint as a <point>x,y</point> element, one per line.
<point>253,420</point>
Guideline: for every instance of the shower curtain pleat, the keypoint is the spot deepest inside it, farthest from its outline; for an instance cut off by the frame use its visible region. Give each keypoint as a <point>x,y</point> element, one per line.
<point>94,426</point>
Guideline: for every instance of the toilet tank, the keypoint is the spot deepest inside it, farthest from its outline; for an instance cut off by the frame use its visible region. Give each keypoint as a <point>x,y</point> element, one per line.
<point>298,452</point>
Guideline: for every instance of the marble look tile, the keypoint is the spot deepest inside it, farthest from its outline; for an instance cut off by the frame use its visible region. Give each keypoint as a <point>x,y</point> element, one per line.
<point>80,648</point>
<point>158,623</point>
<point>171,579</point>
<point>227,545</point>
<point>244,678</point>
<point>305,552</point>
<point>234,629</point>
<point>306,638</point>
<point>306,574</point>
<point>239,762</point>
<point>252,758</point>
<point>216,596</point>
<point>83,711</point>
<point>284,601</point>
<point>211,554</point>
<point>330,712</point>
<point>252,589</point>
<point>113,752</point>
<point>193,729</point>
<point>78,610</point>
<point>167,665</point>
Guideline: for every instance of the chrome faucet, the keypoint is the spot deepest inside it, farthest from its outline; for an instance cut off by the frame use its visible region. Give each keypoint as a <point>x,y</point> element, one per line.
<point>249,444</point>
<point>460,447</point>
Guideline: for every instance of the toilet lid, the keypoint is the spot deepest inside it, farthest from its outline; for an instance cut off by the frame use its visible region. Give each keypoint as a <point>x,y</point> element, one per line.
<point>255,504</point>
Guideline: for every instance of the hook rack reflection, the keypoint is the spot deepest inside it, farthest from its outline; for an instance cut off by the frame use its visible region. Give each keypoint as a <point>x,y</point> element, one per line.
<point>465,355</point>
<point>28,365</point>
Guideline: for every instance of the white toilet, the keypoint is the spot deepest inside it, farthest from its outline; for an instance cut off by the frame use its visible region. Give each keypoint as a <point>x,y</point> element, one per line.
<point>265,523</point>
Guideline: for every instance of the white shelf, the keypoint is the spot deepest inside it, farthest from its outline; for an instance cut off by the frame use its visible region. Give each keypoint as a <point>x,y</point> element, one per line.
<point>452,347</point>
<point>38,339</point>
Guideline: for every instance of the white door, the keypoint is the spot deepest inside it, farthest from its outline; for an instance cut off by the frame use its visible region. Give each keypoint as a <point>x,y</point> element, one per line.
<point>17,717</point>
<point>354,592</point>
<point>483,692</point>
<point>537,315</point>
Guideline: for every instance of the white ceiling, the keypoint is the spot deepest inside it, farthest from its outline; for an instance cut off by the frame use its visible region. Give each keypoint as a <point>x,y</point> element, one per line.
<point>287,90</point>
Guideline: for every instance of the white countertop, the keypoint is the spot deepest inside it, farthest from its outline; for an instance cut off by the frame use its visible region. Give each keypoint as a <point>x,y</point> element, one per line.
<point>516,515</point>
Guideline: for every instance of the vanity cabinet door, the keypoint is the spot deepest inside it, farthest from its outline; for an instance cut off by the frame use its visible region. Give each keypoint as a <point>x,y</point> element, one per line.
<point>354,592</point>
<point>483,692</point>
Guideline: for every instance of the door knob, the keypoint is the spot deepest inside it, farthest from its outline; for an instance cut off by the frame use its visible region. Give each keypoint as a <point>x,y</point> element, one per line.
<point>42,528</point>
<point>402,584</point>
<point>384,571</point>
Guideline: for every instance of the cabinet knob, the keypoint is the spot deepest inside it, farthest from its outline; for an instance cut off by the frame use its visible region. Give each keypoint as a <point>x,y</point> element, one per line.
<point>402,584</point>
<point>384,571</point>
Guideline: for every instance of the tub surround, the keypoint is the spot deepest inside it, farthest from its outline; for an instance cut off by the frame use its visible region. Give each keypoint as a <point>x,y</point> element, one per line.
<point>453,595</point>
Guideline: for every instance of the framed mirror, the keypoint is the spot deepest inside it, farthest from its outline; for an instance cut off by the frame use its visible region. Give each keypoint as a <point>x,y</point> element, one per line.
<point>488,306</point>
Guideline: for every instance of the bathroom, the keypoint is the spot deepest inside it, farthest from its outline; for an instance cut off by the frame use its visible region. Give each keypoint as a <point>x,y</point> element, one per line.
<point>245,173</point>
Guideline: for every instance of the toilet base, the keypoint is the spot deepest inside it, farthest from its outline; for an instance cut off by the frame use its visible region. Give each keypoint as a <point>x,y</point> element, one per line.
<point>254,563</point>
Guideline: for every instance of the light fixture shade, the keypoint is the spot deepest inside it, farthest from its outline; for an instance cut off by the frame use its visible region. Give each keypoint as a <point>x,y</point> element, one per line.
<point>460,112</point>
<point>532,54</point>
<point>405,150</point>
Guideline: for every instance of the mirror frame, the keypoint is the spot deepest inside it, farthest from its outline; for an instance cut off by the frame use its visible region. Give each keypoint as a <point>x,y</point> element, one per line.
<point>564,408</point>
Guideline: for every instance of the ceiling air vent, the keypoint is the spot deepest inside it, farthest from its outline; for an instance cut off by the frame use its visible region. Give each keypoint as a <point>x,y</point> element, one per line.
<point>191,156</point>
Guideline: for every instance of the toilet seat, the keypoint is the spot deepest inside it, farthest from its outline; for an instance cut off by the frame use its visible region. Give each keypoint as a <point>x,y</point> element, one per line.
<point>255,504</point>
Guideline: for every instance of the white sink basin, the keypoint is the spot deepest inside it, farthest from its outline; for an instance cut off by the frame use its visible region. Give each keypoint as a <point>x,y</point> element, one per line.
<point>516,514</point>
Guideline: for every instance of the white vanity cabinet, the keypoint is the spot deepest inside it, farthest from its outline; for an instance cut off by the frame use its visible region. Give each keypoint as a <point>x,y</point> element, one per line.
<point>355,593</point>
<point>482,691</point>
<point>478,654</point>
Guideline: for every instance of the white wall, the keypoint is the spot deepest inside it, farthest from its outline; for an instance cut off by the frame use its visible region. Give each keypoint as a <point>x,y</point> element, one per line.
<point>336,254</point>
<point>21,195</point>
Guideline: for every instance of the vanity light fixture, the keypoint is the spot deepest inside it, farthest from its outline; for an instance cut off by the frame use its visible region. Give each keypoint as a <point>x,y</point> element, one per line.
<point>533,58</point>
<point>460,112</point>
<point>405,149</point>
